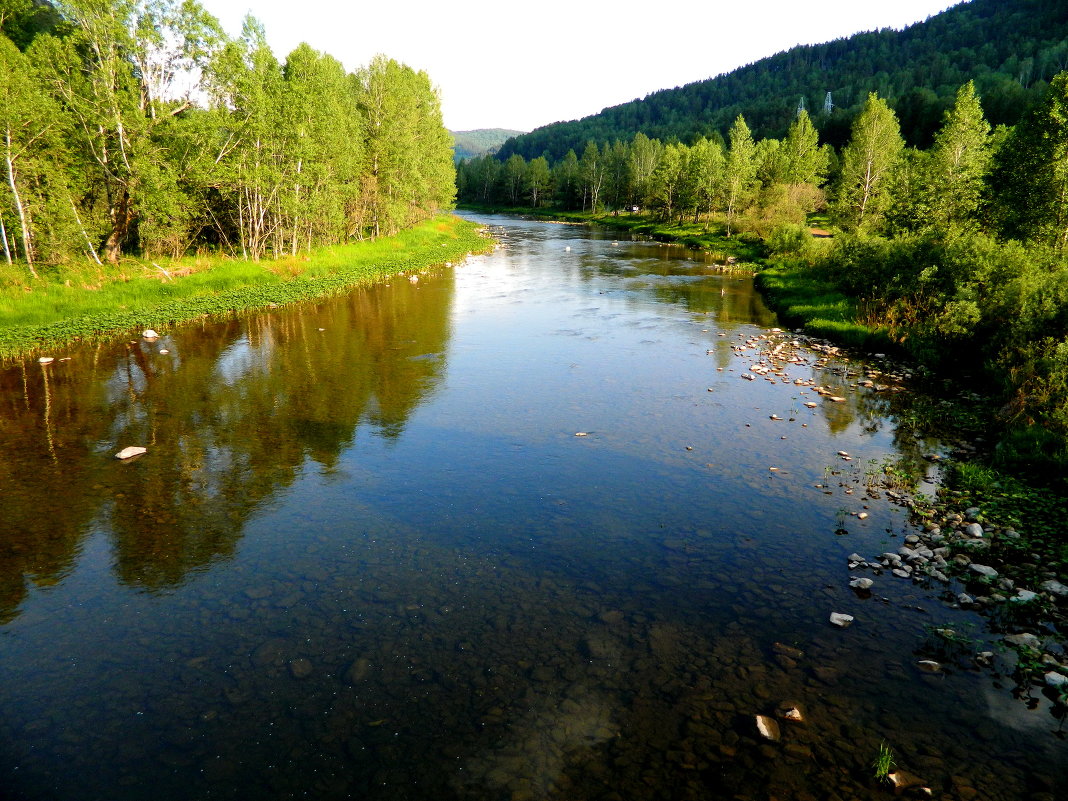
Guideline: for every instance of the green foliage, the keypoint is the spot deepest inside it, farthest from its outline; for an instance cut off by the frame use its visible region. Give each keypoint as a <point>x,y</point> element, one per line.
<point>136,127</point>
<point>790,240</point>
<point>1031,175</point>
<point>873,152</point>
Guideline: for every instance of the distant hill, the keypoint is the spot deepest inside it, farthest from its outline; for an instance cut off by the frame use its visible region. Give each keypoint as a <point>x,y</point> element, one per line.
<point>1011,48</point>
<point>468,144</point>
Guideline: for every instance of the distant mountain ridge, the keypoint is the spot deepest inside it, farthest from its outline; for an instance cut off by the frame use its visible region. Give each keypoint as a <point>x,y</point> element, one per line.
<point>479,142</point>
<point>1011,48</point>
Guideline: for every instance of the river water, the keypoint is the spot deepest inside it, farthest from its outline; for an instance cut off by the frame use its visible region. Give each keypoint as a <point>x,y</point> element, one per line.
<point>514,529</point>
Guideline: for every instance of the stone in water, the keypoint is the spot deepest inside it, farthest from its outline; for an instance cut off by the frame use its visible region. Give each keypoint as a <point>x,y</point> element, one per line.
<point>130,452</point>
<point>768,728</point>
<point>148,333</point>
<point>841,619</point>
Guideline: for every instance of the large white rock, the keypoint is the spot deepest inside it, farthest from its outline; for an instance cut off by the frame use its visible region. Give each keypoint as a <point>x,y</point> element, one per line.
<point>841,619</point>
<point>148,333</point>
<point>130,452</point>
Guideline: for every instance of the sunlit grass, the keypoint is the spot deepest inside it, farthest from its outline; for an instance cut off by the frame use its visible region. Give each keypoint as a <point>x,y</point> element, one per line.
<point>72,302</point>
<point>821,309</point>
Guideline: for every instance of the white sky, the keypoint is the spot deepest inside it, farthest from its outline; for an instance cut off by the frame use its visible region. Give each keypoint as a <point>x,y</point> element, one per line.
<point>523,65</point>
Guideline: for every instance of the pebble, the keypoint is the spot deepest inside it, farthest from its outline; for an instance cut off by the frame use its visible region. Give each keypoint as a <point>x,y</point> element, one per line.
<point>148,333</point>
<point>840,619</point>
<point>861,583</point>
<point>46,360</point>
<point>130,452</point>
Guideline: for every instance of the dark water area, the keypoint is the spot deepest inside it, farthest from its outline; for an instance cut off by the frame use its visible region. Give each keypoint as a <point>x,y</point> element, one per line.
<point>369,555</point>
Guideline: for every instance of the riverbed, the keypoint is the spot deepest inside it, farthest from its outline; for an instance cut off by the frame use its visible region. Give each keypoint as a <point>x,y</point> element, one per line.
<point>557,522</point>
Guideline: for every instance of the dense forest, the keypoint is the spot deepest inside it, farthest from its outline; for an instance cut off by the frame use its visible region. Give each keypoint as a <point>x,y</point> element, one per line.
<point>137,126</point>
<point>1010,48</point>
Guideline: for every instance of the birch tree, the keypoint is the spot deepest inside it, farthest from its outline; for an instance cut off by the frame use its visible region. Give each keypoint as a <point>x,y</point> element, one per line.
<point>873,151</point>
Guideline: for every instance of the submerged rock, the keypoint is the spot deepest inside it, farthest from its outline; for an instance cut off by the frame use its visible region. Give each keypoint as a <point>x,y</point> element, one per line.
<point>130,452</point>
<point>768,728</point>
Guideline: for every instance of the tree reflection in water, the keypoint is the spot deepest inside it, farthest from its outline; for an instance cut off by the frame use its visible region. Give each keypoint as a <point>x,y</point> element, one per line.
<point>231,414</point>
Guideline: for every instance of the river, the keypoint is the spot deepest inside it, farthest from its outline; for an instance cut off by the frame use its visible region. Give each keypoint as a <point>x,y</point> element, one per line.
<point>526,527</point>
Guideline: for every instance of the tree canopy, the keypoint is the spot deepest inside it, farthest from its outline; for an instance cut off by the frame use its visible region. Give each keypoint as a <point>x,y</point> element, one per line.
<point>138,126</point>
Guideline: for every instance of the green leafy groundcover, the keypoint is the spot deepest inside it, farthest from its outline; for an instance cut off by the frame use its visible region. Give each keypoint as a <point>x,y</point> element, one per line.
<point>328,272</point>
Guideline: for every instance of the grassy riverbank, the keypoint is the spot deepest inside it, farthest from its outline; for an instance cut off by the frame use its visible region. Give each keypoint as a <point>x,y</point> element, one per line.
<point>90,302</point>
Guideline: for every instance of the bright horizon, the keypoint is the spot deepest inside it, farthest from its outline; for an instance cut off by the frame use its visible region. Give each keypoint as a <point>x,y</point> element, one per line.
<point>498,66</point>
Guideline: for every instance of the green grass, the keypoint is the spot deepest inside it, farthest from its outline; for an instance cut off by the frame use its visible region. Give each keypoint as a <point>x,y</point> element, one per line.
<point>74,303</point>
<point>883,762</point>
<point>818,307</point>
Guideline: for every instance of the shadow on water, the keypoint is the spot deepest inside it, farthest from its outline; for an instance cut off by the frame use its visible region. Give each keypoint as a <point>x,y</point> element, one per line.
<point>367,555</point>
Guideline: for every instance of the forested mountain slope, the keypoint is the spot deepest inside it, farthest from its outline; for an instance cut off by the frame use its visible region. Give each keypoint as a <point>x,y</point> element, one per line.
<point>479,142</point>
<point>1011,48</point>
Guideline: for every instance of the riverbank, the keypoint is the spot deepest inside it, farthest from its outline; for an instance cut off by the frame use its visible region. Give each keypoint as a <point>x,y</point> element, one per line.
<point>69,304</point>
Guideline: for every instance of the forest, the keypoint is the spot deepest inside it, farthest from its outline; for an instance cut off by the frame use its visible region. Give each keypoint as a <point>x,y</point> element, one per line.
<point>956,254</point>
<point>1010,48</point>
<point>139,127</point>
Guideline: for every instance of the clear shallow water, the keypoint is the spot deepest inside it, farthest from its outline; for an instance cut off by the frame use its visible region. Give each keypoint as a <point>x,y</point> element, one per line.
<point>367,555</point>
